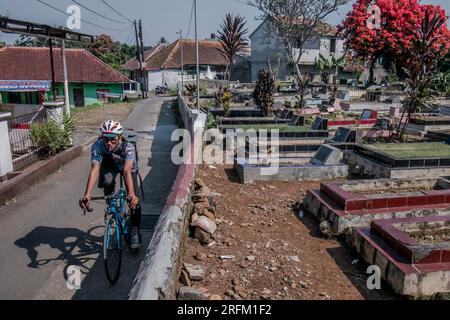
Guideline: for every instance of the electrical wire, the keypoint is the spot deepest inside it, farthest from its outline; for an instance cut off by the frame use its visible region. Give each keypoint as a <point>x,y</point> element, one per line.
<point>98,14</point>
<point>190,20</point>
<point>117,11</point>
<point>63,12</point>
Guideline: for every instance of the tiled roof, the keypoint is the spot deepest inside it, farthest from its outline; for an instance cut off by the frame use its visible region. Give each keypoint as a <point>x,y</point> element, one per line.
<point>170,57</point>
<point>133,63</point>
<point>33,63</point>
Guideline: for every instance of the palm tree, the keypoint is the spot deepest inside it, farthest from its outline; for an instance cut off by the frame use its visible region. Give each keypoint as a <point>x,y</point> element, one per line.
<point>332,63</point>
<point>231,38</point>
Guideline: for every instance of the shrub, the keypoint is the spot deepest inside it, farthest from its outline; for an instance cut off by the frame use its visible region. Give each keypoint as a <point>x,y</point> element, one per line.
<point>53,135</point>
<point>263,93</point>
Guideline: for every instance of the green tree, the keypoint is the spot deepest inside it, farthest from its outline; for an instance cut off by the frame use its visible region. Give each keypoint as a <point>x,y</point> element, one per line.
<point>107,50</point>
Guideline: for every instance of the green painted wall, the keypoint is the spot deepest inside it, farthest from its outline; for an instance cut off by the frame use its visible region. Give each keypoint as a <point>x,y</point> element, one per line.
<point>89,90</point>
<point>4,97</point>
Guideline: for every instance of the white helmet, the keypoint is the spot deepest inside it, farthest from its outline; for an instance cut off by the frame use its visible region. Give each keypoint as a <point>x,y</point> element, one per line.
<point>111,128</point>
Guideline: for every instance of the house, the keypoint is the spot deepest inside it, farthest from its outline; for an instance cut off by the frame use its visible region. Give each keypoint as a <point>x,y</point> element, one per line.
<point>131,67</point>
<point>268,51</point>
<point>164,65</point>
<point>25,76</point>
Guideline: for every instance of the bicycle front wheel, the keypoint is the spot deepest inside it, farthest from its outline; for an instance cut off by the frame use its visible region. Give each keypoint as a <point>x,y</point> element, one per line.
<point>112,249</point>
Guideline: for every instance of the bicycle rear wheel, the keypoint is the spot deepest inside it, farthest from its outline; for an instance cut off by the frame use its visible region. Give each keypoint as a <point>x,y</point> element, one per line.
<point>112,250</point>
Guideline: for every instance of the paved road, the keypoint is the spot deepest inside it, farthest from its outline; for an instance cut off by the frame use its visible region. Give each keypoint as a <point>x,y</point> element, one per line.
<point>43,232</point>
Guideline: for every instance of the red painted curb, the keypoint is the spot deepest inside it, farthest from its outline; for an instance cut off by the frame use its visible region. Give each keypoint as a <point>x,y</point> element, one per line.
<point>181,186</point>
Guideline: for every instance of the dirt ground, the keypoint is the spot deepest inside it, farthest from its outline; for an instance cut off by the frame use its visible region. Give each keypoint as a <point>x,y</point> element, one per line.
<point>87,121</point>
<point>277,253</point>
<point>92,117</point>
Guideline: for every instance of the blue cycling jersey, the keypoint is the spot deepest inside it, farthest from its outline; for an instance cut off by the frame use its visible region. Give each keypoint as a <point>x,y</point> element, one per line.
<point>126,151</point>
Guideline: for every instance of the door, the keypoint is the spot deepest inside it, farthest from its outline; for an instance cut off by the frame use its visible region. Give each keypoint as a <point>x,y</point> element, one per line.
<point>78,97</point>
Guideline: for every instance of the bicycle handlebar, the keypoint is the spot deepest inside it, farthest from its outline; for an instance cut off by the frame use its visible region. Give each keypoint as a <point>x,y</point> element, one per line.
<point>89,209</point>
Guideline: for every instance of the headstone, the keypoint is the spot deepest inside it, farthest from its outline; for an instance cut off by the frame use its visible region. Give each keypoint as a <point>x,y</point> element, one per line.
<point>337,104</point>
<point>297,120</point>
<point>445,110</point>
<point>394,112</point>
<point>385,124</point>
<point>320,124</point>
<point>290,114</point>
<point>327,155</point>
<point>344,135</point>
<point>366,114</point>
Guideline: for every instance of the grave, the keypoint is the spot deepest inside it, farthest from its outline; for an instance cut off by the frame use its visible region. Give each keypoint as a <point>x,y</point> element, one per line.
<point>400,160</point>
<point>362,105</point>
<point>422,124</point>
<point>413,254</point>
<point>237,112</point>
<point>356,203</point>
<point>367,118</point>
<point>325,163</point>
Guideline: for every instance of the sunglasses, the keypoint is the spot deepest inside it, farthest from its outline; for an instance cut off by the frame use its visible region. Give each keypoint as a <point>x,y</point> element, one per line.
<point>108,139</point>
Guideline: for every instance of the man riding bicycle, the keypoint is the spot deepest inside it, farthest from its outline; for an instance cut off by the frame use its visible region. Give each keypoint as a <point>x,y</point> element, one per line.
<point>111,155</point>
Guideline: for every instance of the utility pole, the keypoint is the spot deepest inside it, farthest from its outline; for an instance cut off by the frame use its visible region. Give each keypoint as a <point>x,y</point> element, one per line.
<point>196,55</point>
<point>138,55</point>
<point>66,82</point>
<point>53,68</point>
<point>142,58</point>
<point>182,59</point>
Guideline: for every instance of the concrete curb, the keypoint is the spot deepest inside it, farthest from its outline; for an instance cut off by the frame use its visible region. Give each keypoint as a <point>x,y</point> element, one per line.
<point>36,172</point>
<point>158,274</point>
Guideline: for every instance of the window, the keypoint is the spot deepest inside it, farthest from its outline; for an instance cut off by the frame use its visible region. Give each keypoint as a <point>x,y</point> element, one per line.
<point>332,45</point>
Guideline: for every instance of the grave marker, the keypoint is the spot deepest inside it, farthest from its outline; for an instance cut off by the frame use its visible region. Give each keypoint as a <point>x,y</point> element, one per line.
<point>327,155</point>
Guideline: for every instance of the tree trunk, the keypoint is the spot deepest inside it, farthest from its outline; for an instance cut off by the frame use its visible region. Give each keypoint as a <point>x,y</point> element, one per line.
<point>229,70</point>
<point>371,68</point>
<point>301,84</point>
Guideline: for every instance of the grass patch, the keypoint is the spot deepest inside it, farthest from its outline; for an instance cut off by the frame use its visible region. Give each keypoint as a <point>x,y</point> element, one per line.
<point>282,128</point>
<point>414,150</point>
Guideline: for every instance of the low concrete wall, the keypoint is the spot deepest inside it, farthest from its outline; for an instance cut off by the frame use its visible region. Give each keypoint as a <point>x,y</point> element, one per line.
<point>250,173</point>
<point>36,172</point>
<point>412,284</point>
<point>374,169</point>
<point>158,275</point>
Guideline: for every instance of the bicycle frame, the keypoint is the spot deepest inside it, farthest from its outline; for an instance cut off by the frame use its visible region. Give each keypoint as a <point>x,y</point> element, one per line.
<point>118,210</point>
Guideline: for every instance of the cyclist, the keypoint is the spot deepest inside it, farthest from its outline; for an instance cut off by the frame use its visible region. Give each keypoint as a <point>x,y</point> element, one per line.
<point>111,155</point>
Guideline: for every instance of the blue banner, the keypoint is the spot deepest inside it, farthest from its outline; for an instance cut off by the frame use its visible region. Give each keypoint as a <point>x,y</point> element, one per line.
<point>25,85</point>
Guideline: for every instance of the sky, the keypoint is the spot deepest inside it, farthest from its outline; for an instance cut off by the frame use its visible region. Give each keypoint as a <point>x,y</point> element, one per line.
<point>160,18</point>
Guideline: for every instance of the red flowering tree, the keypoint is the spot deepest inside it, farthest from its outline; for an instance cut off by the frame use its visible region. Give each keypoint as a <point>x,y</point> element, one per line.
<point>393,38</point>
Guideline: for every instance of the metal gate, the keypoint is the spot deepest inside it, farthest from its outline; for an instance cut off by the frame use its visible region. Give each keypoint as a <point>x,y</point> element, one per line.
<point>24,151</point>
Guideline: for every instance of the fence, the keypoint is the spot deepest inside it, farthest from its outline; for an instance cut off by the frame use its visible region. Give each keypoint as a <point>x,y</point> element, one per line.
<point>23,150</point>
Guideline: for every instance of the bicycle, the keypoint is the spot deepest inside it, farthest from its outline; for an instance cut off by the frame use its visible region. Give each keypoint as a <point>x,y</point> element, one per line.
<point>117,224</point>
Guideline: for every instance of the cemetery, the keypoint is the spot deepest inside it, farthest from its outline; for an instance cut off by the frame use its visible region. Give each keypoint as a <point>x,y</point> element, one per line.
<point>373,155</point>
<point>356,203</point>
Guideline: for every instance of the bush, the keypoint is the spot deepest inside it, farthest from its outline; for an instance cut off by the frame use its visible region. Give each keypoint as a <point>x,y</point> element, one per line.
<point>263,93</point>
<point>50,137</point>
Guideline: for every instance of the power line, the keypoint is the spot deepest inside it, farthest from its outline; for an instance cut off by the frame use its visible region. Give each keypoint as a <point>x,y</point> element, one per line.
<point>116,11</point>
<point>190,20</point>
<point>98,14</point>
<point>91,23</point>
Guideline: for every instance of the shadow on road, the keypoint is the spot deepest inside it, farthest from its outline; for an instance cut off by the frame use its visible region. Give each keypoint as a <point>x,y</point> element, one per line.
<point>76,247</point>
